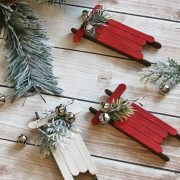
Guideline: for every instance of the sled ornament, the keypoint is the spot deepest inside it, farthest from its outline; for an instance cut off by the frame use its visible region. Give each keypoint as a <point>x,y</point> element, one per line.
<point>142,126</point>
<point>114,35</point>
<point>72,157</point>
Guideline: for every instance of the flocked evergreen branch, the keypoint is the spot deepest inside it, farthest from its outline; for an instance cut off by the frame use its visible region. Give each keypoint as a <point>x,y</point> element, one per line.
<point>58,132</point>
<point>29,58</point>
<point>94,19</point>
<point>162,73</point>
<point>98,18</point>
<point>120,110</point>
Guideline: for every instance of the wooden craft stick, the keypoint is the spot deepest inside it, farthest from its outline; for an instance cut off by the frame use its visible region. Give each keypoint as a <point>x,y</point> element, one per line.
<point>62,164</point>
<point>76,154</point>
<point>104,32</point>
<point>85,154</point>
<point>124,45</point>
<point>135,32</point>
<point>134,123</point>
<point>124,34</point>
<point>153,127</point>
<point>69,159</point>
<point>155,120</point>
<point>41,122</point>
<point>138,136</point>
<point>93,39</point>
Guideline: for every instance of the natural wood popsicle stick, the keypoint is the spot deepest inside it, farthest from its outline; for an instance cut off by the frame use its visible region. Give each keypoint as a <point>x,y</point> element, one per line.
<point>62,164</point>
<point>76,155</point>
<point>85,154</point>
<point>69,160</point>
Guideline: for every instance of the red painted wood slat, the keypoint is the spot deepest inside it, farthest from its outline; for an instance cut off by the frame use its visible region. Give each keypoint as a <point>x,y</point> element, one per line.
<point>135,32</point>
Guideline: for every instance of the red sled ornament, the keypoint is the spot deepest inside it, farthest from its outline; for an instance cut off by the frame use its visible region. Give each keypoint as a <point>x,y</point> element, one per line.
<point>99,28</point>
<point>141,125</point>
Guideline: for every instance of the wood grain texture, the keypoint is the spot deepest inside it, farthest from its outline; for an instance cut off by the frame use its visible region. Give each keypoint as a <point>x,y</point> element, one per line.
<point>104,141</point>
<point>82,67</point>
<point>163,9</point>
<point>59,22</point>
<point>18,162</point>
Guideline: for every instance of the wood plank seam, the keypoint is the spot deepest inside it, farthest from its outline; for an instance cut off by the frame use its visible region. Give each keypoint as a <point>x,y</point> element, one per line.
<point>112,159</point>
<point>125,13</point>
<point>94,102</point>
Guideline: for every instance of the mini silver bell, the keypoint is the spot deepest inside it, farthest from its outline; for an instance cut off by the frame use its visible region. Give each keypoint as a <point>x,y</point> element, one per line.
<point>104,118</point>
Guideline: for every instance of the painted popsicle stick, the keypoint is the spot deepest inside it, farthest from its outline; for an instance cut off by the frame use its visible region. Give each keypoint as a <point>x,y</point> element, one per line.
<point>85,154</point>
<point>135,32</point>
<point>117,93</point>
<point>76,154</point>
<point>79,35</point>
<point>138,136</point>
<point>62,164</point>
<point>114,37</point>
<point>153,127</point>
<point>91,38</point>
<point>155,120</point>
<point>112,41</point>
<point>122,33</point>
<point>133,122</point>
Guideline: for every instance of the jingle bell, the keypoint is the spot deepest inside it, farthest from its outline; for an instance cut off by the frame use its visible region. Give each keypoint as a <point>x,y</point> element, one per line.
<point>164,89</point>
<point>2,98</point>
<point>70,117</point>
<point>60,110</point>
<point>22,139</point>
<point>105,106</point>
<point>104,118</point>
<point>84,15</point>
<point>89,28</point>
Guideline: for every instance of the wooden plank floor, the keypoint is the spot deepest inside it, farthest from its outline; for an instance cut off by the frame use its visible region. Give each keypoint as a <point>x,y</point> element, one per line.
<point>79,67</point>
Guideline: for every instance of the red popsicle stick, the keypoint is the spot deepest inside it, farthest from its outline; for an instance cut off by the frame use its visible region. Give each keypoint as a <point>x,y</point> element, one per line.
<point>134,123</point>
<point>78,35</point>
<point>138,136</point>
<point>117,93</point>
<point>104,32</point>
<point>154,119</point>
<point>111,40</point>
<point>135,32</point>
<point>153,127</point>
<point>124,34</point>
<point>95,120</point>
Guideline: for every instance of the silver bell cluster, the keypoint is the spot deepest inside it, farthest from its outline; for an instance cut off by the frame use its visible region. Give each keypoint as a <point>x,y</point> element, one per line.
<point>104,117</point>
<point>62,112</point>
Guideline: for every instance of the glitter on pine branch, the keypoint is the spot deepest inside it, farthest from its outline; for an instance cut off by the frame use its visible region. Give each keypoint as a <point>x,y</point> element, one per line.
<point>29,58</point>
<point>162,73</point>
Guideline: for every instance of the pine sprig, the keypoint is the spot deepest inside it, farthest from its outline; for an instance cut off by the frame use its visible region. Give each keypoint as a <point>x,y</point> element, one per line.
<point>98,18</point>
<point>57,132</point>
<point>29,58</point>
<point>120,110</point>
<point>162,73</point>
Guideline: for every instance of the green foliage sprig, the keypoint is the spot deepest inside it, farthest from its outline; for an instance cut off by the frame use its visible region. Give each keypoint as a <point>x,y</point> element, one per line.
<point>120,110</point>
<point>162,73</point>
<point>94,19</point>
<point>57,132</point>
<point>29,58</point>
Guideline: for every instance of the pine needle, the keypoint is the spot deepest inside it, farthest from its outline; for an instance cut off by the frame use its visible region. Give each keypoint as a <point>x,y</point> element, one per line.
<point>29,58</point>
<point>162,73</point>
